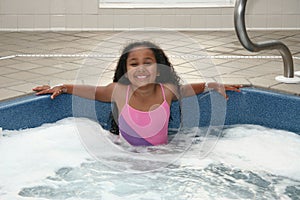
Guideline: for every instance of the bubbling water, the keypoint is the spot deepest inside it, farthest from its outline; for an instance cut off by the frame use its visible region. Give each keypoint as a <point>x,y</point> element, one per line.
<point>50,162</point>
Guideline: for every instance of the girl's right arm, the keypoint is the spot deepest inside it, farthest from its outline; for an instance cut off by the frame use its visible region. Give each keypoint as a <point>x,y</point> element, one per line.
<point>101,93</point>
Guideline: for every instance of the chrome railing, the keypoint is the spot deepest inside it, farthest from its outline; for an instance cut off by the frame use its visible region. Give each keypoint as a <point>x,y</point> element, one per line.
<point>240,28</point>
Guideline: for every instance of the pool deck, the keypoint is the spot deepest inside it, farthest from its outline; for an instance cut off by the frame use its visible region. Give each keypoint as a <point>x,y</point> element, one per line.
<point>28,59</point>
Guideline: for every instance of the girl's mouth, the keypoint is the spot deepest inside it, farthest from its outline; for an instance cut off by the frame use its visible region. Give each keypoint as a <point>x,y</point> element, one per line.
<point>141,76</point>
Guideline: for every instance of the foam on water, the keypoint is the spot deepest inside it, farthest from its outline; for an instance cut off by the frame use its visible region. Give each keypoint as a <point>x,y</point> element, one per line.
<point>254,147</point>
<point>50,162</point>
<point>28,156</point>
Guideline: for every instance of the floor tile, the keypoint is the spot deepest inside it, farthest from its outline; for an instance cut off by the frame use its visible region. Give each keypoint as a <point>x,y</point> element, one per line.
<point>6,94</point>
<point>37,57</point>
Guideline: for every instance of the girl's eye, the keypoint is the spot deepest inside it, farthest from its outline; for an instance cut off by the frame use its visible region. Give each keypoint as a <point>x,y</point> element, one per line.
<point>133,64</point>
<point>148,64</point>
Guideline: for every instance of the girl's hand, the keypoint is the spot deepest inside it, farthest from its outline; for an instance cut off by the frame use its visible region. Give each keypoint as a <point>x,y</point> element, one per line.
<point>222,88</point>
<point>46,89</point>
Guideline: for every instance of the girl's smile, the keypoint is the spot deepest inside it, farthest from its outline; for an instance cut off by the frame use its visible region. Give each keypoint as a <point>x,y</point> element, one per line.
<point>141,77</point>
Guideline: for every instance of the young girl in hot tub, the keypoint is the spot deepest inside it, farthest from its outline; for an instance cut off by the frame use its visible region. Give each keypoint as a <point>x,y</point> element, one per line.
<point>143,88</point>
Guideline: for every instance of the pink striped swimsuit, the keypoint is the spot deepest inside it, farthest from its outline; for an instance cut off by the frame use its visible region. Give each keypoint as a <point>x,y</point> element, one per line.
<point>141,128</point>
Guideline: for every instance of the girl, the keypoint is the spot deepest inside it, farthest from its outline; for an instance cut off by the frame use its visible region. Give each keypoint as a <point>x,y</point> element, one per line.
<point>143,88</point>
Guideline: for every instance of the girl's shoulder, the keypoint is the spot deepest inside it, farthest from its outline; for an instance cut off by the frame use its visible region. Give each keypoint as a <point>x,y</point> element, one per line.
<point>118,91</point>
<point>116,85</point>
<point>120,86</point>
<point>171,89</point>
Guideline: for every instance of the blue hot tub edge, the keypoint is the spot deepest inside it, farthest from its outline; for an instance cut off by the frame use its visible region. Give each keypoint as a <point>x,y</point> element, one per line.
<point>250,106</point>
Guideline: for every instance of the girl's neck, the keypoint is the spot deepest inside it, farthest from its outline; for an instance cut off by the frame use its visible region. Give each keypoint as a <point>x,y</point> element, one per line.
<point>144,91</point>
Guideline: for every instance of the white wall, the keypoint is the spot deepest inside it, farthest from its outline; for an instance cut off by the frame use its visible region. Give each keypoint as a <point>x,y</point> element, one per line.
<point>86,15</point>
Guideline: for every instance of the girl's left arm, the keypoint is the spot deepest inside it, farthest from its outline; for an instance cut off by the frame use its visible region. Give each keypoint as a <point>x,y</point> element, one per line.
<point>197,88</point>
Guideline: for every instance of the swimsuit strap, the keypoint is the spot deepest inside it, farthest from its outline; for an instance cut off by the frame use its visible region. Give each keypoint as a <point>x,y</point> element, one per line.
<point>163,91</point>
<point>127,95</point>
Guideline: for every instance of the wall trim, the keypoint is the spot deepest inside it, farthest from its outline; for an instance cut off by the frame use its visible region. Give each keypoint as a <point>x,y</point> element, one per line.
<point>140,29</point>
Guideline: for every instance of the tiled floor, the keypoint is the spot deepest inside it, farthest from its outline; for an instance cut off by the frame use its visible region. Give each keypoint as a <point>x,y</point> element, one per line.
<point>28,59</point>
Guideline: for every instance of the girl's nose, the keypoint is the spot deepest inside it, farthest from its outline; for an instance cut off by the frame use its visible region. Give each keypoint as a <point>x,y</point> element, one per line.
<point>141,68</point>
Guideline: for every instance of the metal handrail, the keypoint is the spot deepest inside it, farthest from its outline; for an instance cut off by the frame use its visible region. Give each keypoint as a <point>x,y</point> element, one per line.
<point>240,29</point>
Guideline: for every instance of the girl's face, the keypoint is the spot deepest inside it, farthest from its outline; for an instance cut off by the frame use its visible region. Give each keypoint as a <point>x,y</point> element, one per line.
<point>141,66</point>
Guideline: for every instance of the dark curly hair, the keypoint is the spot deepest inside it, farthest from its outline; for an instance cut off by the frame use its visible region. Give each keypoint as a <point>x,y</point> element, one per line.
<point>164,68</point>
